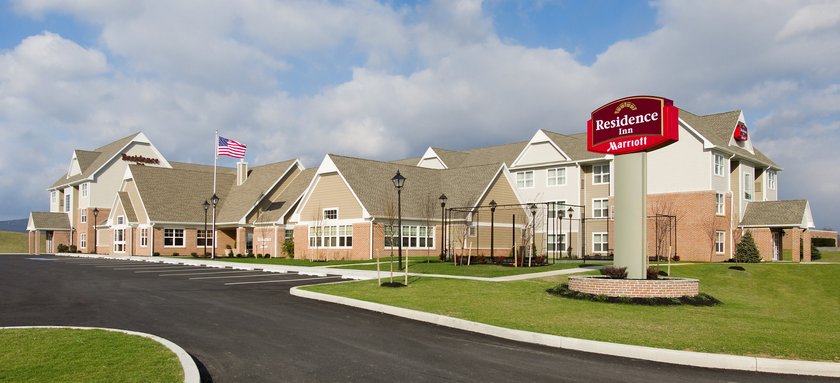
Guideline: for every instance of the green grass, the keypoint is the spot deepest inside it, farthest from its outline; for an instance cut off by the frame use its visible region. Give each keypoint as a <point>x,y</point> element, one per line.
<point>830,256</point>
<point>14,242</point>
<point>73,355</point>
<point>276,261</point>
<point>488,271</point>
<point>788,311</point>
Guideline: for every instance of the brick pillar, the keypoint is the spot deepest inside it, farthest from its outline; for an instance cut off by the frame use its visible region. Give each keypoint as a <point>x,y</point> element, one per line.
<point>29,241</point>
<point>241,237</point>
<point>806,246</point>
<point>796,235</point>
<point>37,242</point>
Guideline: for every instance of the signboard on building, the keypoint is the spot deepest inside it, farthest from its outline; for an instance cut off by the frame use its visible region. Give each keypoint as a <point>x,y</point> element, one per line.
<point>633,124</point>
<point>741,133</point>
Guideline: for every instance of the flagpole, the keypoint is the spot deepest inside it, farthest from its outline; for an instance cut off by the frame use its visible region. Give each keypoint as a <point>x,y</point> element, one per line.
<point>215,161</point>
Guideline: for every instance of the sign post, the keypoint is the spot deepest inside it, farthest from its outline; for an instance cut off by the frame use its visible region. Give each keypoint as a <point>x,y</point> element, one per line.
<point>629,128</point>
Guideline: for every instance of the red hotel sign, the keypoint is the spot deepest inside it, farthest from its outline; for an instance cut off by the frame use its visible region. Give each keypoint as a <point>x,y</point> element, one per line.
<point>633,124</point>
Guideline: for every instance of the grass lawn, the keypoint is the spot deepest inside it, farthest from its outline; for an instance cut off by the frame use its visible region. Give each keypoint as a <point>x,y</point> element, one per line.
<point>830,256</point>
<point>788,311</point>
<point>435,266</point>
<point>71,355</point>
<point>13,242</point>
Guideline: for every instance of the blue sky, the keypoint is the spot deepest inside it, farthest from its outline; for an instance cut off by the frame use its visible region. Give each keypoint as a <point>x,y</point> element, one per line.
<point>305,78</point>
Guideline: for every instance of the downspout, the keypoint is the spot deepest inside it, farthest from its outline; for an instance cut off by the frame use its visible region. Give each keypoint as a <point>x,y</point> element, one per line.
<point>152,239</point>
<point>732,206</point>
<point>370,242</point>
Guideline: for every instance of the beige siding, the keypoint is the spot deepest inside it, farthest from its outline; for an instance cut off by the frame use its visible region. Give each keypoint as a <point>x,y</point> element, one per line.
<point>331,192</point>
<point>133,194</point>
<point>735,185</point>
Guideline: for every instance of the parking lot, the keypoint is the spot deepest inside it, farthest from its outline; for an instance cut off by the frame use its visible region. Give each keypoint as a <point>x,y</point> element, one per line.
<point>242,325</point>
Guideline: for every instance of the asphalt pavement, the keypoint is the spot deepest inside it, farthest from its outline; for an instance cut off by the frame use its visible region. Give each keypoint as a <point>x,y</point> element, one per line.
<point>244,326</point>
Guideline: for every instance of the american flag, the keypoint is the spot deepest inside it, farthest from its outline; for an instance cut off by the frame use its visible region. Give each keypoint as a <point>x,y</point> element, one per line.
<point>230,148</point>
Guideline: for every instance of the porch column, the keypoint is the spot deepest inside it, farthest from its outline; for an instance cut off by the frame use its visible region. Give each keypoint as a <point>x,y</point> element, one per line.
<point>37,242</point>
<point>795,237</point>
<point>241,238</point>
<point>806,245</point>
<point>29,241</point>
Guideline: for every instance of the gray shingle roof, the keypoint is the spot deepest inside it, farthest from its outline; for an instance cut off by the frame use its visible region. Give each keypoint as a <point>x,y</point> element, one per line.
<point>201,167</point>
<point>280,206</point>
<point>48,221</point>
<point>371,181</point>
<point>176,195</point>
<point>718,129</point>
<point>130,214</point>
<point>93,160</point>
<point>775,213</point>
<point>241,199</point>
<point>574,145</point>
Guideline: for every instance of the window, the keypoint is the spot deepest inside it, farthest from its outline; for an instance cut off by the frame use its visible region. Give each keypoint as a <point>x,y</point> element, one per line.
<point>413,236</point>
<point>203,238</point>
<point>120,220</point>
<point>67,203</point>
<point>119,240</point>
<point>525,179</point>
<point>289,234</point>
<point>84,189</point>
<point>173,237</point>
<point>144,237</point>
<point>600,174</point>
<point>600,242</point>
<point>83,240</point>
<point>748,186</point>
<point>330,213</point>
<point>556,177</point>
<point>54,196</point>
<point>331,236</point>
<point>83,215</point>
<point>720,201</point>
<point>556,242</point>
<point>771,180</point>
<point>720,242</point>
<point>718,165</point>
<point>555,207</point>
<point>600,208</point>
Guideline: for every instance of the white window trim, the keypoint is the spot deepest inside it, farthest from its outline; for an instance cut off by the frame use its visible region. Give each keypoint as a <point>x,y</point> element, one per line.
<point>720,209</point>
<point>183,237</point>
<point>83,215</point>
<point>522,173</point>
<point>82,240</point>
<point>749,186</point>
<point>208,236</point>
<point>606,243</point>
<point>608,174</point>
<point>556,171</point>
<point>84,189</point>
<point>561,243</point>
<point>720,235</point>
<point>606,208</point>
<point>324,214</point>
<point>325,228</point>
<point>117,229</point>
<point>772,180</point>
<point>144,237</point>
<point>715,156</point>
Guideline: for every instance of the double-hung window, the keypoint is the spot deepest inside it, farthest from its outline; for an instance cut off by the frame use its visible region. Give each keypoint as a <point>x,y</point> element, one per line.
<point>719,165</point>
<point>600,242</point>
<point>83,215</point>
<point>144,237</point>
<point>173,237</point>
<point>83,188</point>
<point>119,240</point>
<point>556,177</point>
<point>331,236</point>
<point>720,201</point>
<point>771,180</point>
<point>204,238</point>
<point>83,240</point>
<point>413,236</point>
<point>525,179</point>
<point>600,174</point>
<point>720,242</point>
<point>67,202</point>
<point>748,186</point>
<point>600,208</point>
<point>556,242</point>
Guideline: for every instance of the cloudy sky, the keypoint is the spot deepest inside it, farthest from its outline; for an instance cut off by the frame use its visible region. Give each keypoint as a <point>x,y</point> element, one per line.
<point>386,79</point>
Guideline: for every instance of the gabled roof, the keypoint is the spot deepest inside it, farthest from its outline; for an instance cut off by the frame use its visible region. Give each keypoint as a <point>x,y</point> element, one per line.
<point>243,198</point>
<point>48,221</point>
<point>90,161</point>
<point>451,158</point>
<point>280,206</point>
<point>371,181</point>
<point>85,158</point>
<point>718,129</point>
<point>791,213</point>
<point>177,195</point>
<point>496,155</point>
<point>130,214</point>
<point>574,145</point>
<point>201,167</point>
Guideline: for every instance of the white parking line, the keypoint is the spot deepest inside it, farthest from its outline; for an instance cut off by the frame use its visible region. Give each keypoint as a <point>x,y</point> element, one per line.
<point>157,271</point>
<point>136,266</point>
<point>161,267</point>
<point>207,273</point>
<point>280,280</point>
<point>235,276</point>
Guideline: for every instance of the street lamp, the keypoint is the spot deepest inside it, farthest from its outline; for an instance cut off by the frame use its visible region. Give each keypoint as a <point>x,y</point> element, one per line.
<point>559,232</point>
<point>206,206</point>
<point>569,239</point>
<point>533,231</point>
<point>214,200</point>
<point>442,200</point>
<point>493,205</point>
<point>399,182</point>
<point>95,213</point>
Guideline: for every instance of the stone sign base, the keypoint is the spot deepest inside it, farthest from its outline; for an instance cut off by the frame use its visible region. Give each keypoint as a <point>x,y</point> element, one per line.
<point>635,288</point>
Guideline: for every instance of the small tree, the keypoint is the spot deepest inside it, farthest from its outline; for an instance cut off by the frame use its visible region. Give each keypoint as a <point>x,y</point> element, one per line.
<point>746,251</point>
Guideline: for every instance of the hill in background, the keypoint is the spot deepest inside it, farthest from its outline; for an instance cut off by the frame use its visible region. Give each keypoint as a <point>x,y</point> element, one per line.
<point>16,225</point>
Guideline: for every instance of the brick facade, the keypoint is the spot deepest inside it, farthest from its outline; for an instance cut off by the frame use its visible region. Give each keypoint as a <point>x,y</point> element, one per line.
<point>697,224</point>
<point>636,288</point>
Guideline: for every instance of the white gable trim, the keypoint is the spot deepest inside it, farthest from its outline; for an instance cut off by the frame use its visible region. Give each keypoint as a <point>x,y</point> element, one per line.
<point>539,137</point>
<point>295,164</point>
<point>129,176</point>
<point>327,167</point>
<point>430,154</point>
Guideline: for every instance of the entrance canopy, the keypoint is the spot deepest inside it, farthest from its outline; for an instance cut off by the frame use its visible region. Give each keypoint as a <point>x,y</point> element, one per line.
<point>48,221</point>
<point>786,214</point>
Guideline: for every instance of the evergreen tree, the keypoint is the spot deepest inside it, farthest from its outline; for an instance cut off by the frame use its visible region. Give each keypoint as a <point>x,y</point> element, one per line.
<point>746,251</point>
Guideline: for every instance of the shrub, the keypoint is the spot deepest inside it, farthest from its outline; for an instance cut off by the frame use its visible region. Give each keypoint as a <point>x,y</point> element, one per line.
<point>72,248</point>
<point>701,299</point>
<point>288,248</point>
<point>194,254</point>
<point>675,258</point>
<point>175,254</point>
<point>61,248</point>
<point>156,254</point>
<point>746,251</point>
<point>615,272</point>
<point>652,273</point>
<point>238,255</point>
<point>266,255</point>
<point>259,255</point>
<point>815,253</point>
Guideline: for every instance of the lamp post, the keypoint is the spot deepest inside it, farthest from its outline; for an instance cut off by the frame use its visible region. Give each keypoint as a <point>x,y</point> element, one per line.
<point>571,212</point>
<point>559,232</point>
<point>442,200</point>
<point>399,182</point>
<point>206,206</point>
<point>214,200</point>
<point>95,213</point>
<point>493,205</point>
<point>533,232</point>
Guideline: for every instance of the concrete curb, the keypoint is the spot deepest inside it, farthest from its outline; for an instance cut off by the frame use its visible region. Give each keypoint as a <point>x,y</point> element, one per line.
<point>688,358</point>
<point>191,374</point>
